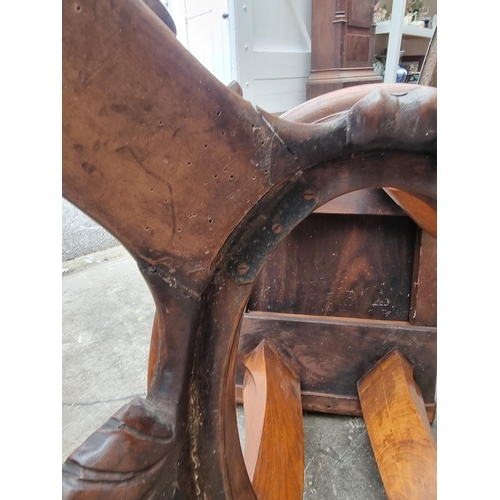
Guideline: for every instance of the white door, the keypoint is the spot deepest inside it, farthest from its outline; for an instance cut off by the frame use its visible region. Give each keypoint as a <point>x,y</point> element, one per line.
<point>203,28</point>
<point>272,45</point>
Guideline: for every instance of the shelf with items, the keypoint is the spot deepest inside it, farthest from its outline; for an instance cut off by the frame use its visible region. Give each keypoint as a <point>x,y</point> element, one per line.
<point>384,27</point>
<point>408,67</point>
<point>400,31</point>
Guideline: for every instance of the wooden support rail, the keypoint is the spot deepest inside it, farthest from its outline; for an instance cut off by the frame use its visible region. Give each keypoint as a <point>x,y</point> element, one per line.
<point>400,434</point>
<point>274,430</point>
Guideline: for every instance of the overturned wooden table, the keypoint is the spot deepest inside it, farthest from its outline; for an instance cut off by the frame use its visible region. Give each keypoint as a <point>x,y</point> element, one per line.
<point>200,187</point>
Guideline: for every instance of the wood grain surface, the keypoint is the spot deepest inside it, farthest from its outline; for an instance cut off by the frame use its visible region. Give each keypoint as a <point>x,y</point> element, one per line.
<point>362,202</point>
<point>400,434</point>
<point>274,429</point>
<point>346,265</point>
<point>428,75</point>
<point>423,303</point>
<point>420,212</point>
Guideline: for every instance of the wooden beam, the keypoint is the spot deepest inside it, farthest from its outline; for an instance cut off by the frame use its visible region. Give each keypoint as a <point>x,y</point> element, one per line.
<point>423,300</point>
<point>424,215</point>
<point>400,434</point>
<point>428,75</point>
<point>153,349</point>
<point>274,431</point>
<point>362,202</point>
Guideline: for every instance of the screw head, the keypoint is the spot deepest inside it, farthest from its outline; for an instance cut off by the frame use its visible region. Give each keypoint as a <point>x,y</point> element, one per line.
<point>242,268</point>
<point>276,227</point>
<point>308,194</point>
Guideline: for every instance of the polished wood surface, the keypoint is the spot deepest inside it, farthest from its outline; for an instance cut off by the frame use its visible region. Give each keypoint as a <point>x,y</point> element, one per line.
<point>153,349</point>
<point>274,429</point>
<point>323,108</point>
<point>400,434</point>
<point>201,187</point>
<point>420,212</point>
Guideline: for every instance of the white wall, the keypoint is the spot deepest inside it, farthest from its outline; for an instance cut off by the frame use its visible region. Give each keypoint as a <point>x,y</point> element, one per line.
<point>204,32</point>
<point>273,51</point>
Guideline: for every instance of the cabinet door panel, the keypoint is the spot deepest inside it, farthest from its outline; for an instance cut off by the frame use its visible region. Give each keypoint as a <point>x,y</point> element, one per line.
<point>360,14</point>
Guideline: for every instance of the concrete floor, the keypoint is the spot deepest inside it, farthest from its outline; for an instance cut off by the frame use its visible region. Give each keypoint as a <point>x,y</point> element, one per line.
<point>81,235</point>
<point>107,318</point>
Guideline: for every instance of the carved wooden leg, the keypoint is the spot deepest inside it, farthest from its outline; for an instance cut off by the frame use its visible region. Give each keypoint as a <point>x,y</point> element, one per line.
<point>399,430</point>
<point>274,430</point>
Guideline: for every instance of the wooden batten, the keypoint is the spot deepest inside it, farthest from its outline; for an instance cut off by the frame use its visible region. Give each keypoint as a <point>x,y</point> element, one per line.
<point>423,214</point>
<point>400,434</point>
<point>362,202</point>
<point>423,300</point>
<point>274,430</point>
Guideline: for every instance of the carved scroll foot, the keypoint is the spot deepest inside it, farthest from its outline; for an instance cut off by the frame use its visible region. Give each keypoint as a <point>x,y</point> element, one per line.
<point>129,458</point>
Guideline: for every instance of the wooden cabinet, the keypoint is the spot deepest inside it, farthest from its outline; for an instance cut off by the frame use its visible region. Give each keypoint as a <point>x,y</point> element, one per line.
<point>342,45</point>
